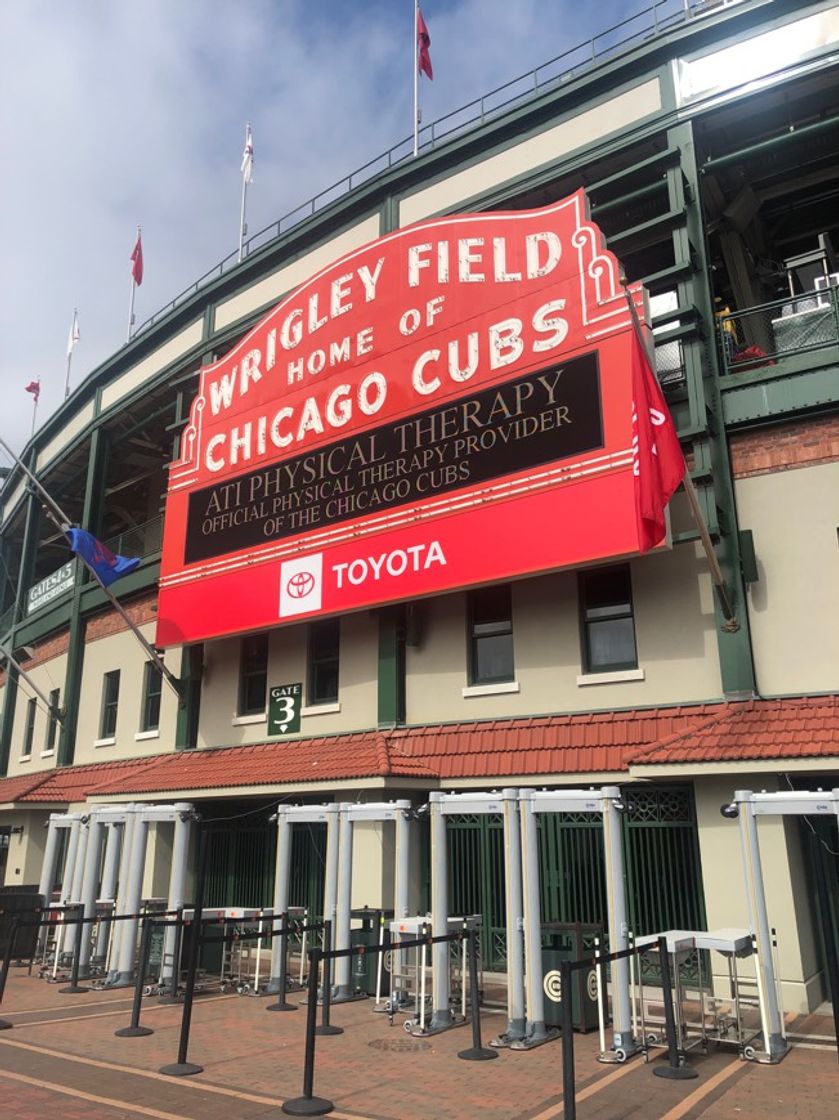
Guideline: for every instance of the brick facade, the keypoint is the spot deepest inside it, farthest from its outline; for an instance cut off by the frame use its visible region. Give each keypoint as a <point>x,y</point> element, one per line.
<point>801,443</point>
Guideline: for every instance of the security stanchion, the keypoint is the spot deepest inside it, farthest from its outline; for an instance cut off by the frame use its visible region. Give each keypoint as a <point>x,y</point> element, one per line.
<point>326,1027</point>
<point>566,1014</point>
<point>476,1052</point>
<point>171,994</point>
<point>5,1025</point>
<point>308,1104</point>
<point>183,1068</point>
<point>134,1030</point>
<point>282,1003</point>
<point>675,1070</point>
<point>74,988</point>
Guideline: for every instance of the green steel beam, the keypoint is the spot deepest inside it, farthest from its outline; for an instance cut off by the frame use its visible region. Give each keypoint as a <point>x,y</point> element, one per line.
<point>94,489</point>
<point>391,695</point>
<point>710,447</point>
<point>192,669</point>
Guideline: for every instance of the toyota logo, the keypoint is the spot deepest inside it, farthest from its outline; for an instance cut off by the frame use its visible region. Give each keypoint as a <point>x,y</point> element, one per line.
<point>300,585</point>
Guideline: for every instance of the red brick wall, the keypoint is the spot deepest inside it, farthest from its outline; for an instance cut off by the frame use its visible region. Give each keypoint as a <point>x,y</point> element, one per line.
<point>802,443</point>
<point>140,611</point>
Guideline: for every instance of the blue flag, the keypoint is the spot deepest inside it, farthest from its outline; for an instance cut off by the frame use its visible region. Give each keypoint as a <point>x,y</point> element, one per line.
<point>106,565</point>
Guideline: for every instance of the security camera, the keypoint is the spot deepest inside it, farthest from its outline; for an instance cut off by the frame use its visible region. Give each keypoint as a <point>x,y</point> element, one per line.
<point>731,811</point>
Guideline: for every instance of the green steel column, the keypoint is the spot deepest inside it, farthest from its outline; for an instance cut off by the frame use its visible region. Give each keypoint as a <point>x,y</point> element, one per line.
<point>91,513</point>
<point>8,720</point>
<point>27,565</point>
<point>192,668</point>
<point>391,709</point>
<point>712,469</point>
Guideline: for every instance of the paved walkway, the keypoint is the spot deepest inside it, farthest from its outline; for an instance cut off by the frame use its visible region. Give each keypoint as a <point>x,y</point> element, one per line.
<point>62,1060</point>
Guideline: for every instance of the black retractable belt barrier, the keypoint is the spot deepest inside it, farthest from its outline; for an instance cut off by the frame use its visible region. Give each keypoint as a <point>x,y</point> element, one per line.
<point>675,1070</point>
<point>134,1030</point>
<point>566,1009</point>
<point>477,1052</point>
<point>5,1025</point>
<point>171,996</point>
<point>183,1068</point>
<point>308,1104</point>
<point>282,1003</point>
<point>73,988</point>
<point>326,1027</point>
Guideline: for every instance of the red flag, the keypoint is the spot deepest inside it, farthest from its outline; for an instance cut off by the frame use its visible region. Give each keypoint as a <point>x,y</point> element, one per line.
<point>34,387</point>
<point>423,43</point>
<point>657,460</point>
<point>137,260</point>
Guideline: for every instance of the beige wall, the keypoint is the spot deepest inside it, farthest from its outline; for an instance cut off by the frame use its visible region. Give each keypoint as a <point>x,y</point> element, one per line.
<point>26,851</point>
<point>287,664</point>
<point>794,606</point>
<point>288,277</point>
<point>578,131</point>
<point>122,651</point>
<point>47,676</point>
<point>788,906</point>
<point>677,648</point>
<point>170,351</point>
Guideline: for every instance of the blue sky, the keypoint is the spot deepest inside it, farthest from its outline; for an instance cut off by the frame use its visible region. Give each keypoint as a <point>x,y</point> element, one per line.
<point>115,113</point>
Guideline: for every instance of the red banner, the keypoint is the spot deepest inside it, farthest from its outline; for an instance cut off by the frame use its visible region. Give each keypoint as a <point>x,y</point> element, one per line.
<point>447,406</point>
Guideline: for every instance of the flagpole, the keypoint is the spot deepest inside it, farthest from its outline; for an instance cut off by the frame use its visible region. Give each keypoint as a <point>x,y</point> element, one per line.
<point>59,711</point>
<point>131,298</point>
<point>70,344</point>
<point>731,623</point>
<point>60,519</point>
<point>242,225</point>
<point>34,413</point>
<point>416,80</point>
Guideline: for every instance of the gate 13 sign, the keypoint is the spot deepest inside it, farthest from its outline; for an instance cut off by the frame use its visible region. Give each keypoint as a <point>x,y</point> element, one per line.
<point>447,406</point>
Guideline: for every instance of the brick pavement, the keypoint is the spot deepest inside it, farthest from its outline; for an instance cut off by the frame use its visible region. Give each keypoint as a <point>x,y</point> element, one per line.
<point>62,1059</point>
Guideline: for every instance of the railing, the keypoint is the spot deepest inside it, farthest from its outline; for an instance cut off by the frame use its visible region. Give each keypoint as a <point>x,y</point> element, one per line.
<point>652,20</point>
<point>764,335</point>
<point>139,540</point>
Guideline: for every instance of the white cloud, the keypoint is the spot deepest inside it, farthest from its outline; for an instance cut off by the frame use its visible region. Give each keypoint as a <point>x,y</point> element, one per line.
<point>117,113</point>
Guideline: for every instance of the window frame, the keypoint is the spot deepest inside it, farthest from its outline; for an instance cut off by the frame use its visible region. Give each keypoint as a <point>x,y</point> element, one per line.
<point>52,721</point>
<point>491,629</point>
<point>249,673</point>
<point>151,695</point>
<point>616,613</point>
<point>29,727</point>
<point>110,705</point>
<point>319,659</point>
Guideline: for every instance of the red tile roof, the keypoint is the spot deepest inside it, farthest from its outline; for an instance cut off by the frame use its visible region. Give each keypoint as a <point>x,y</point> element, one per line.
<point>584,743</point>
<point>795,727</point>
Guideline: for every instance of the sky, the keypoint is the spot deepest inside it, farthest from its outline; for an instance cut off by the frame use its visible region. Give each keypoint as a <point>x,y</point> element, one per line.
<point>115,114</point>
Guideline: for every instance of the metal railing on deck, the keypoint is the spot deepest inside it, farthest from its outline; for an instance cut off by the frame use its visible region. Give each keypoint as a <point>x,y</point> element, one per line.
<point>139,540</point>
<point>652,20</point>
<point>764,335</point>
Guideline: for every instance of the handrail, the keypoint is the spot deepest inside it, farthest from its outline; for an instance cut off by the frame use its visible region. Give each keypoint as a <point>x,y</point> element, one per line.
<point>662,16</point>
<point>759,336</point>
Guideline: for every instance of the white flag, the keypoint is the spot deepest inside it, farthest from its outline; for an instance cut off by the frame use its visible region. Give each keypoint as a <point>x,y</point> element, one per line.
<point>73,337</point>
<point>247,156</point>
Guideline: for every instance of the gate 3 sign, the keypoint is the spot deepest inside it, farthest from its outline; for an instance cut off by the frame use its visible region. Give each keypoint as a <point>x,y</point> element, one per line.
<point>447,406</point>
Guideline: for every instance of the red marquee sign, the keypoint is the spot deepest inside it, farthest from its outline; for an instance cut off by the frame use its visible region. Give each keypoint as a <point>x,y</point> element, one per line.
<point>447,406</point>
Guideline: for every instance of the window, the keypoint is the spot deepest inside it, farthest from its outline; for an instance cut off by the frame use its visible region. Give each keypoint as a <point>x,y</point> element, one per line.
<point>606,620</point>
<point>324,647</point>
<point>29,733</point>
<point>110,700</point>
<point>152,687</point>
<point>52,721</point>
<point>491,636</point>
<point>253,674</point>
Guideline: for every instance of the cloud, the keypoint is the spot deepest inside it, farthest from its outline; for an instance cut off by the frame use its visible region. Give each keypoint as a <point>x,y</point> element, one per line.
<point>116,114</point>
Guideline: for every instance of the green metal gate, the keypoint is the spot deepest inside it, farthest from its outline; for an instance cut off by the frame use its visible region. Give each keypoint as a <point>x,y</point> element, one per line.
<point>241,860</point>
<point>664,880</point>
